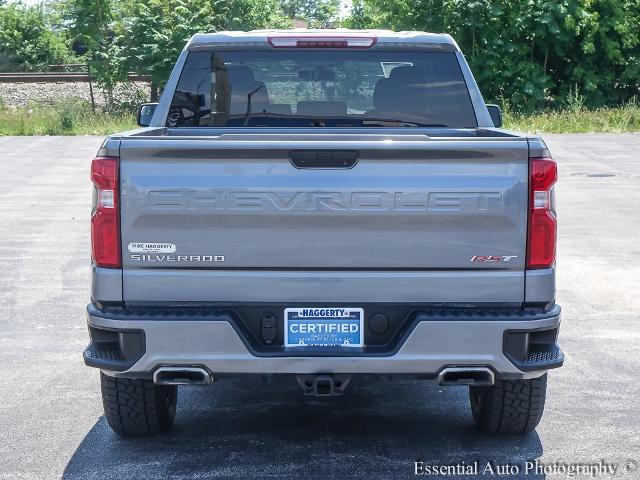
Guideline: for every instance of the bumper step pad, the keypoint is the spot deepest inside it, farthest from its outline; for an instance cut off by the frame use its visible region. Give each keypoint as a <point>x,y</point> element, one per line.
<point>115,350</point>
<point>533,356</point>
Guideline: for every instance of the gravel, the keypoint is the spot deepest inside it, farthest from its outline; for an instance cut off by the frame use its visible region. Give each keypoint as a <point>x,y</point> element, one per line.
<point>49,93</point>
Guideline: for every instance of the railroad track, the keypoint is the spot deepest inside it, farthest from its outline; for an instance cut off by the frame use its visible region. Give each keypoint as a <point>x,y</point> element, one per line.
<point>60,77</point>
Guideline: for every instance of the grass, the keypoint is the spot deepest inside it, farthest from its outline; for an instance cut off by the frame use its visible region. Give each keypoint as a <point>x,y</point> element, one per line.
<point>74,117</point>
<point>577,120</point>
<point>69,117</point>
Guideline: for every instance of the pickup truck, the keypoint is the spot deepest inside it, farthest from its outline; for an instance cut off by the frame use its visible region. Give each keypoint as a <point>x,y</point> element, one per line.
<point>322,204</point>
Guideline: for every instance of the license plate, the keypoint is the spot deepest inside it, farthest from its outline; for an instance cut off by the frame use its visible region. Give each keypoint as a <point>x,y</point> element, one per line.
<point>323,327</point>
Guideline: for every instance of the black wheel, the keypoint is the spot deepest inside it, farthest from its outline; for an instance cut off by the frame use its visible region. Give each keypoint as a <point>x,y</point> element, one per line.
<point>511,407</point>
<point>137,407</point>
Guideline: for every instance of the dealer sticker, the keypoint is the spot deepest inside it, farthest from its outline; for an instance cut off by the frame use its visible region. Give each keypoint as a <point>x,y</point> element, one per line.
<point>151,247</point>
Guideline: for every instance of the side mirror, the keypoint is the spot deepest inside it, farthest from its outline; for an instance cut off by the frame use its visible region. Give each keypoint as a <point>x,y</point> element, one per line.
<point>496,115</point>
<point>145,113</point>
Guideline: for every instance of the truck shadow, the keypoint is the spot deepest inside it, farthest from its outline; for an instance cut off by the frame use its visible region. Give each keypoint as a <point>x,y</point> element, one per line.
<point>256,427</point>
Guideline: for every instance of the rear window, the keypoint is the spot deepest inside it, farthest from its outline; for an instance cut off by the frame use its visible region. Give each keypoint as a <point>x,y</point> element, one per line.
<point>312,88</point>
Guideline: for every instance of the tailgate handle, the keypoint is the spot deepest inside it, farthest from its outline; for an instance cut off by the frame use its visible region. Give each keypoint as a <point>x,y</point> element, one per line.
<point>323,158</point>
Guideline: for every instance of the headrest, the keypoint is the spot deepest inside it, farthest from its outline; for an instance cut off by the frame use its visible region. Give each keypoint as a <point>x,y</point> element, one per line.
<point>242,83</point>
<point>402,93</point>
<point>382,97</point>
<point>279,108</point>
<point>240,74</point>
<point>324,109</point>
<point>406,74</point>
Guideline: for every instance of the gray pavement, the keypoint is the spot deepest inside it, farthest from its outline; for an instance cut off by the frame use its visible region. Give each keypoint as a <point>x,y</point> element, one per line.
<point>51,422</point>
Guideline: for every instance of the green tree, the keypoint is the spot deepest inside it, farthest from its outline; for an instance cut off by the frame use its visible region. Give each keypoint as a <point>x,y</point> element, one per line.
<point>531,52</point>
<point>153,32</point>
<point>317,13</point>
<point>92,24</point>
<point>28,40</point>
<point>363,16</point>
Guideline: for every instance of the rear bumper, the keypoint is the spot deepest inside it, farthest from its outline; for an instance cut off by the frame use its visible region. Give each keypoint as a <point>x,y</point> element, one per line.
<point>517,344</point>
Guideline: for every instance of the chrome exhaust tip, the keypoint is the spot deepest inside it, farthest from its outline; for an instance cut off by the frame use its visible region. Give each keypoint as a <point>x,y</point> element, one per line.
<point>182,376</point>
<point>475,376</point>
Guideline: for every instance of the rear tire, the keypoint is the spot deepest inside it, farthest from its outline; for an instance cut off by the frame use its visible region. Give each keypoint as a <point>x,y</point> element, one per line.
<point>137,407</point>
<point>511,407</point>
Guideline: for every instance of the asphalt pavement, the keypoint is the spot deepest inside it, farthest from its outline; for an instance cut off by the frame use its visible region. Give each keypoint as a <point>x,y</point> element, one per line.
<point>51,422</point>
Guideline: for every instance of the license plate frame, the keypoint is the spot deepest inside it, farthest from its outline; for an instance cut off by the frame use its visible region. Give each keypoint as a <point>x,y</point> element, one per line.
<point>318,331</point>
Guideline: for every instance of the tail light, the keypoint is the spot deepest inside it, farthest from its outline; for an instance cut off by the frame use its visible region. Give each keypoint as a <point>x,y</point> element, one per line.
<point>105,219</point>
<point>321,41</point>
<point>541,244</point>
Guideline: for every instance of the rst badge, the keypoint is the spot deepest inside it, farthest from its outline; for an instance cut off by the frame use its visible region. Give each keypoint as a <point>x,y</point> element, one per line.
<point>492,258</point>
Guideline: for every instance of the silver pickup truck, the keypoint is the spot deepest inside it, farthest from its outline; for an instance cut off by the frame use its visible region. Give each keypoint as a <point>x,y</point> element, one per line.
<point>322,204</point>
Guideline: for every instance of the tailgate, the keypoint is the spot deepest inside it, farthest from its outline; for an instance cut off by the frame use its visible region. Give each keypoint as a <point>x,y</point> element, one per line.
<point>200,215</point>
